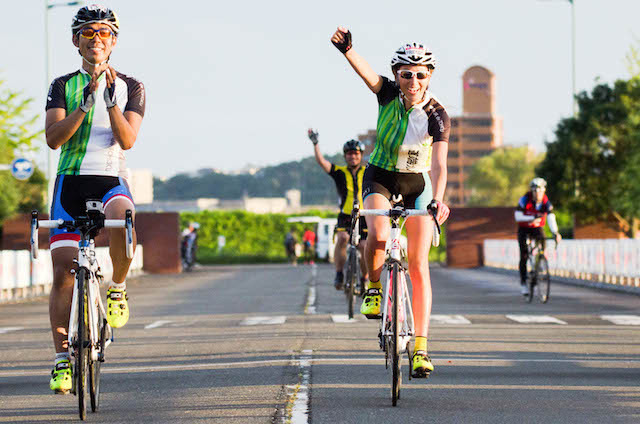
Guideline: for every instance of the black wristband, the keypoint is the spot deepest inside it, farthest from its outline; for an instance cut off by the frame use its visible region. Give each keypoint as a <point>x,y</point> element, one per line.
<point>345,45</point>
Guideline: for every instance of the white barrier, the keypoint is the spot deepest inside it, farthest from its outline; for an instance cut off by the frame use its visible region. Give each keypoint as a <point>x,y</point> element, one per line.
<point>18,272</point>
<point>609,261</point>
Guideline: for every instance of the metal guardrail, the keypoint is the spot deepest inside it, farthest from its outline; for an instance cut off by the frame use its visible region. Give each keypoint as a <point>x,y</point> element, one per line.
<point>608,261</point>
<point>21,278</point>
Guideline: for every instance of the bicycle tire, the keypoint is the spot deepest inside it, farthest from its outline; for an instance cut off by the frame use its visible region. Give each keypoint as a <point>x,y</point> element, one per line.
<point>531,280</point>
<point>544,279</point>
<point>80,371</point>
<point>94,367</point>
<point>350,282</point>
<point>395,349</point>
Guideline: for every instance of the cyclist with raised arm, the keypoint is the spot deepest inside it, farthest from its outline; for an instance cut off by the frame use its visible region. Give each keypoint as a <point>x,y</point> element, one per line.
<point>411,148</point>
<point>534,208</point>
<point>94,115</point>
<point>348,180</point>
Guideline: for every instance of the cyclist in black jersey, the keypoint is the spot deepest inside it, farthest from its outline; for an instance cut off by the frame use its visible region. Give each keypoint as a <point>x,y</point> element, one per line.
<point>94,115</point>
<point>348,180</point>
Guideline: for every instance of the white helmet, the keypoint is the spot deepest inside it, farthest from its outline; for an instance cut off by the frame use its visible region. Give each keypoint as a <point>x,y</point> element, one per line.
<point>195,225</point>
<point>538,182</point>
<point>413,54</point>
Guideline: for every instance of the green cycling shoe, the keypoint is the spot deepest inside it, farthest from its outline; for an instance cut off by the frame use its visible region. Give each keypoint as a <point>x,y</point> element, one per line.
<point>61,377</point>
<point>421,365</point>
<point>371,303</point>
<point>117,308</point>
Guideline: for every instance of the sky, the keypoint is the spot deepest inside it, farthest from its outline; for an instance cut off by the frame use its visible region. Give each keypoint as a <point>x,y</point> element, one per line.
<point>235,83</point>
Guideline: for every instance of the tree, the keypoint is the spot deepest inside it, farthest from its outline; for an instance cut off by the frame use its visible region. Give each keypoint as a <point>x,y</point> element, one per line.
<point>16,136</point>
<point>593,164</point>
<point>502,177</point>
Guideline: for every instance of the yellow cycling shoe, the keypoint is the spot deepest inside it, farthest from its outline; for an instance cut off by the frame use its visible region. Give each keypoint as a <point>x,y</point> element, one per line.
<point>421,365</point>
<point>117,308</point>
<point>61,377</point>
<point>371,303</point>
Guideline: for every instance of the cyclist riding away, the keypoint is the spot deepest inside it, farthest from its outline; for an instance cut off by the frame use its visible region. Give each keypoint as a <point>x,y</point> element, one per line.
<point>411,147</point>
<point>348,180</point>
<point>534,208</point>
<point>94,114</point>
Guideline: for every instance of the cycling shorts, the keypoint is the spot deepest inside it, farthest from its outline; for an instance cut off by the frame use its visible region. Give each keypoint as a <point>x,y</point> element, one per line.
<point>344,224</point>
<point>69,201</point>
<point>415,188</point>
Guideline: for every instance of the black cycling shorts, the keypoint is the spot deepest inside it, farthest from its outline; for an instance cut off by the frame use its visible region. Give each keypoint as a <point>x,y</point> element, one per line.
<point>344,224</point>
<point>415,188</point>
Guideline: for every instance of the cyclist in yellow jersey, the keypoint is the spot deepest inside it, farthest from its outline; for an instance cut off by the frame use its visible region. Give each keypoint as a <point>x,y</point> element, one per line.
<point>411,148</point>
<point>94,115</point>
<point>348,180</point>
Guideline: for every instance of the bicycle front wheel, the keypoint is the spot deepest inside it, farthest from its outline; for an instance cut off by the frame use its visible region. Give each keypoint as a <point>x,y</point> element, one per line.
<point>395,348</point>
<point>531,280</point>
<point>544,279</point>
<point>94,366</point>
<point>351,281</point>
<point>82,343</point>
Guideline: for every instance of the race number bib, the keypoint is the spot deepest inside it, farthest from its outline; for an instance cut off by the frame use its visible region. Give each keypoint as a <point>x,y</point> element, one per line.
<point>414,157</point>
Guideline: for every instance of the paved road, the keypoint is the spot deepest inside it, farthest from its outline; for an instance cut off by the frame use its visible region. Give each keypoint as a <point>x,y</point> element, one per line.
<point>261,344</point>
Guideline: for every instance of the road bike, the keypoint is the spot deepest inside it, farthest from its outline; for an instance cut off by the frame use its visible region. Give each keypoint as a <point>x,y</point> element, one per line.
<point>354,284</point>
<point>538,278</point>
<point>89,333</point>
<point>397,325</point>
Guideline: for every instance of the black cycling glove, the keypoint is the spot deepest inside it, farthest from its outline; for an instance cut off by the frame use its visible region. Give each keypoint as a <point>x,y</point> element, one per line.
<point>345,45</point>
<point>88,99</point>
<point>313,136</point>
<point>110,96</point>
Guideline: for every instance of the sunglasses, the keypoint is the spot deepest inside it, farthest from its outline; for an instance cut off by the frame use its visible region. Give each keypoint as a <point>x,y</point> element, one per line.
<point>89,33</point>
<point>410,74</point>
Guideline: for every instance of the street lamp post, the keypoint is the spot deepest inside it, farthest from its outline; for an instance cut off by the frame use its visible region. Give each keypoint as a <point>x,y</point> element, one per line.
<point>50,154</point>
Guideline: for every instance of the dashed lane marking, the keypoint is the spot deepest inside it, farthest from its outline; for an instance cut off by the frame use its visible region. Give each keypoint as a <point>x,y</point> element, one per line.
<point>4,330</point>
<point>535,319</point>
<point>264,320</point>
<point>342,318</point>
<point>449,319</point>
<point>622,319</point>
<point>156,324</point>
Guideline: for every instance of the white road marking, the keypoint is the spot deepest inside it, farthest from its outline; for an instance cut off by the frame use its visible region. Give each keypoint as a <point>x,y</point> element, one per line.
<point>264,320</point>
<point>342,318</point>
<point>622,319</point>
<point>535,319</point>
<point>449,319</point>
<point>156,324</point>
<point>4,330</point>
<point>297,410</point>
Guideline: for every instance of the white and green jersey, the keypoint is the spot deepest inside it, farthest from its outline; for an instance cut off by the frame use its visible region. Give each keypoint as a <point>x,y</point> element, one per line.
<point>92,150</point>
<point>406,136</point>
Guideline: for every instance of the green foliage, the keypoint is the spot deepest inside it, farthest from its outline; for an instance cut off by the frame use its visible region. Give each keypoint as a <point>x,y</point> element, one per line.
<point>592,166</point>
<point>16,136</point>
<point>501,178</point>
<point>272,181</point>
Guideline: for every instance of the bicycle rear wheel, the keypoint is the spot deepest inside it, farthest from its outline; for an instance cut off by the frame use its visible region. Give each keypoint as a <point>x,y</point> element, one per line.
<point>94,366</point>
<point>531,280</point>
<point>81,348</point>
<point>351,281</point>
<point>544,279</point>
<point>395,345</point>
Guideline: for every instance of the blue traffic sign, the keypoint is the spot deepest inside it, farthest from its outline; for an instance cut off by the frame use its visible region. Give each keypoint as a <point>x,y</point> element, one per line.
<point>22,168</point>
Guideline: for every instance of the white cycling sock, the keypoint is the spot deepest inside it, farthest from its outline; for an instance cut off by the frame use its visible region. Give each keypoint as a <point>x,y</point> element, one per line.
<point>121,286</point>
<point>64,356</point>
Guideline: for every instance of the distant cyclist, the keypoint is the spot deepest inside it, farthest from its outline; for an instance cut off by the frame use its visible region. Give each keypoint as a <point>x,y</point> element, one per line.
<point>411,148</point>
<point>94,114</point>
<point>348,180</point>
<point>309,242</point>
<point>533,209</point>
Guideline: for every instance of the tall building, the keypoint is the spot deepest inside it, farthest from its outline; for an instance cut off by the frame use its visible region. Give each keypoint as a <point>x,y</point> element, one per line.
<point>477,133</point>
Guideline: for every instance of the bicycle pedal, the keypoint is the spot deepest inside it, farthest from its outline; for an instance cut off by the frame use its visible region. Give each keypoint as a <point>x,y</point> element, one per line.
<point>372,316</point>
<point>420,374</point>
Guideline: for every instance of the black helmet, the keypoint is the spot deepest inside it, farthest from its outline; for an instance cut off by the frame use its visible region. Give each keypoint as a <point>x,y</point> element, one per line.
<point>353,145</point>
<point>95,13</point>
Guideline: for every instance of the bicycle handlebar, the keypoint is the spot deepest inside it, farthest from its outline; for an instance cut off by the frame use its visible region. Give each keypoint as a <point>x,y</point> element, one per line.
<point>126,223</point>
<point>405,213</point>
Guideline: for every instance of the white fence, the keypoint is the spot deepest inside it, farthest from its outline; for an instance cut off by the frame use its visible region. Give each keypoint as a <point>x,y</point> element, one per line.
<point>609,261</point>
<point>19,277</point>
